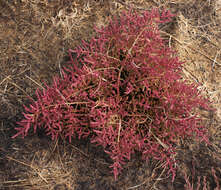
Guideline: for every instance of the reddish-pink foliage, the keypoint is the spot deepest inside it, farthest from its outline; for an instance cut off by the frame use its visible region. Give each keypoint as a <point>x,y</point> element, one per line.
<point>202,181</point>
<point>126,96</point>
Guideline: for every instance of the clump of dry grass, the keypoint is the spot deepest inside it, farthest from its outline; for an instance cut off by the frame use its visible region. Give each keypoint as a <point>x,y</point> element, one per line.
<point>45,168</point>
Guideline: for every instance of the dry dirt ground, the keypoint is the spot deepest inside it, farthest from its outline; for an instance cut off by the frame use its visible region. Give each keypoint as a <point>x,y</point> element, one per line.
<point>35,36</point>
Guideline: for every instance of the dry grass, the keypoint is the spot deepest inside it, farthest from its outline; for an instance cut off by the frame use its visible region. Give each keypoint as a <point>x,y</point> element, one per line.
<point>34,38</point>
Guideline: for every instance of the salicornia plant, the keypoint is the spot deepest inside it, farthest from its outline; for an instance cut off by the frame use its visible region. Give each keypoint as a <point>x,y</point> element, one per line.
<point>124,91</point>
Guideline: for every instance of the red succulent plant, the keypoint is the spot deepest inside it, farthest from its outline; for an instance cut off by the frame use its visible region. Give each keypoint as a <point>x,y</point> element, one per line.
<point>124,92</point>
